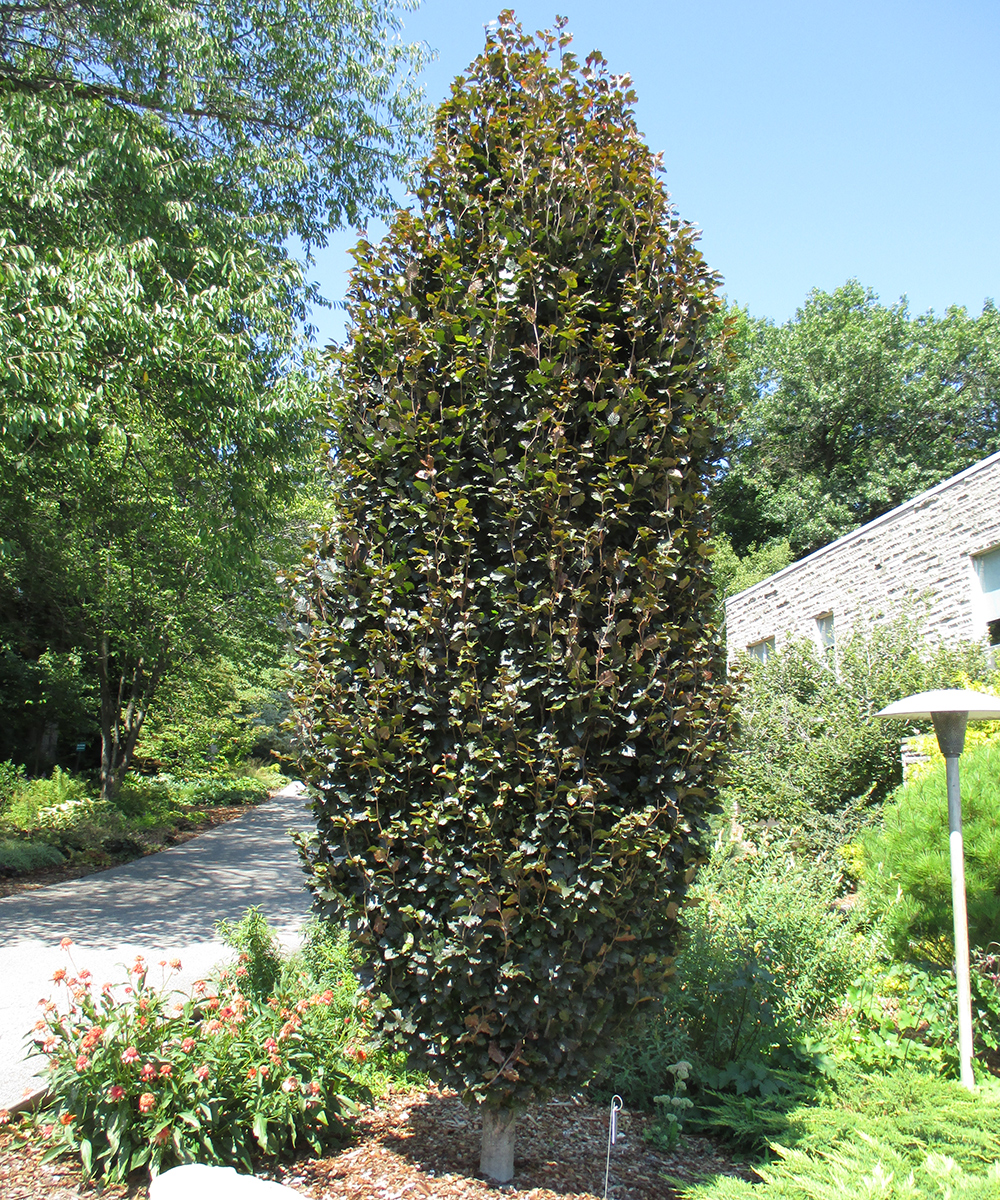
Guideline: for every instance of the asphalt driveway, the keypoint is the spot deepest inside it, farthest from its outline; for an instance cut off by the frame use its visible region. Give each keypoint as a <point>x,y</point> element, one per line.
<point>162,906</point>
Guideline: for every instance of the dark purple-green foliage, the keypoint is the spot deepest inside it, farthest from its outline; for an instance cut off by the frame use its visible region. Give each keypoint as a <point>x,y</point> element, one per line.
<point>510,699</point>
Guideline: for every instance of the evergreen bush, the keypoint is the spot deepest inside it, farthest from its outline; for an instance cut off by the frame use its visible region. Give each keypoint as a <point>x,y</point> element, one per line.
<point>511,701</point>
<point>906,862</point>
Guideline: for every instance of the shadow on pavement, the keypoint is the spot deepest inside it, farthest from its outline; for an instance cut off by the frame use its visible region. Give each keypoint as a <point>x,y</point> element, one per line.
<point>176,896</point>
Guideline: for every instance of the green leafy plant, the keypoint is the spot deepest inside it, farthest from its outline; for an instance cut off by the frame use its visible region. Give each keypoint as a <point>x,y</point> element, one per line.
<point>511,700</point>
<point>260,955</point>
<point>907,1013</point>
<point>906,868</point>
<point>809,758</point>
<point>765,956</point>
<point>144,1077</point>
<point>665,1131</point>
<point>639,1068</point>
<point>12,780</point>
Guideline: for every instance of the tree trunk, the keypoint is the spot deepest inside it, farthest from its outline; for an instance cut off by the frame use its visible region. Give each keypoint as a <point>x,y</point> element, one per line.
<point>497,1158</point>
<point>123,711</point>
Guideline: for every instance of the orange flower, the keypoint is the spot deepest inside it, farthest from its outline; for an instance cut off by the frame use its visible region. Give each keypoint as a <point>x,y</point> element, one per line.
<point>147,1101</point>
<point>4,1116</point>
<point>66,943</point>
<point>175,964</point>
<point>188,1045</point>
<point>59,975</point>
<point>66,1119</point>
<point>130,1055</point>
<point>148,1071</point>
<point>116,1093</point>
<point>165,1070</point>
<point>82,1062</point>
<point>202,1072</point>
<point>92,1037</point>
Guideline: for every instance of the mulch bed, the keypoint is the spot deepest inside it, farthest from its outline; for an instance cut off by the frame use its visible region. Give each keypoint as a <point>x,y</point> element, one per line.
<point>153,840</point>
<point>421,1144</point>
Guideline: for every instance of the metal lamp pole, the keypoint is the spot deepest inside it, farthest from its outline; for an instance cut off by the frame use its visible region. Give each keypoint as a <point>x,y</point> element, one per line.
<point>950,710</point>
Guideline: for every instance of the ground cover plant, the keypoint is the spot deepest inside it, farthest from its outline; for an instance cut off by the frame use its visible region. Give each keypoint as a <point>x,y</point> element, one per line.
<point>263,1060</point>
<point>898,1135</point>
<point>63,820</point>
<point>510,700</point>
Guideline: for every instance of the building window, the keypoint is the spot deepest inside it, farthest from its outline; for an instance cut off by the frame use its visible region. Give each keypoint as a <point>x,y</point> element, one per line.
<point>824,634</point>
<point>988,571</point>
<point>986,606</point>
<point>761,651</point>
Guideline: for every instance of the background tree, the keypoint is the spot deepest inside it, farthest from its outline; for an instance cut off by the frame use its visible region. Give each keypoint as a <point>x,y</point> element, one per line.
<point>510,700</point>
<point>155,405</point>
<point>307,108</point>
<point>848,410</point>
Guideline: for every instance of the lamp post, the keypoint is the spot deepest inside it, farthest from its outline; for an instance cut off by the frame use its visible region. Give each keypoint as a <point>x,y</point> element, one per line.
<point>951,710</point>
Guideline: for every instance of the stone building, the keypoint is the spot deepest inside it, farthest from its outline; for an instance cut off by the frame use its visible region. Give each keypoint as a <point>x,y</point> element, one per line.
<point>936,556</point>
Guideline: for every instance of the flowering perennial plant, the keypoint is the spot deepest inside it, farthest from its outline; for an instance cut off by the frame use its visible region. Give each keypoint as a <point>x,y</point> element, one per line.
<point>146,1076</point>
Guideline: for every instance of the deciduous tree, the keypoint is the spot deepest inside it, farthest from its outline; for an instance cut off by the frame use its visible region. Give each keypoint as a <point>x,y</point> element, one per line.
<point>510,699</point>
<point>849,409</point>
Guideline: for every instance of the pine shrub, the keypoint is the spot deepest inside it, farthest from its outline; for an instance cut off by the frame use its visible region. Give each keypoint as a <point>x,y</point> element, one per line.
<point>907,866</point>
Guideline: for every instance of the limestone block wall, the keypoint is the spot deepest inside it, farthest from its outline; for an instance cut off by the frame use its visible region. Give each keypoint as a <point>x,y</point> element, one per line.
<point>919,557</point>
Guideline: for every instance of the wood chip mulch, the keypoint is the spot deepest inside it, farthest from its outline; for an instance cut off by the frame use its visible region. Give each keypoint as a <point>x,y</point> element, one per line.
<point>424,1145</point>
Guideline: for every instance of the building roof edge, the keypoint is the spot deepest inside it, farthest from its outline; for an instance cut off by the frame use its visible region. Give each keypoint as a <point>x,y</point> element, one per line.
<point>861,531</point>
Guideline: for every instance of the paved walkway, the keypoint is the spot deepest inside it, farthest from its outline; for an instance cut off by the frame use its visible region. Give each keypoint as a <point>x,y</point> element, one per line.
<point>162,906</point>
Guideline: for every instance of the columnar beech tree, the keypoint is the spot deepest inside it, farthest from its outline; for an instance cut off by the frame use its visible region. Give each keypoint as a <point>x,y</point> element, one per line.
<point>510,699</point>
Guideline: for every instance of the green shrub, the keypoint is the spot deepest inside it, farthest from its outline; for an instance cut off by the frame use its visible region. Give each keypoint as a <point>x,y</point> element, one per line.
<point>640,1068</point>
<point>809,756</point>
<point>260,956</point>
<point>902,1013</point>
<point>765,955</point>
<point>18,856</point>
<point>906,866</point>
<point>219,790</point>
<point>148,800</point>
<point>143,1077</point>
<point>12,781</point>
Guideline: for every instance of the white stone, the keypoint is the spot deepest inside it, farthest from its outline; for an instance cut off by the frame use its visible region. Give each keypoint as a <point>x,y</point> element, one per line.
<point>195,1181</point>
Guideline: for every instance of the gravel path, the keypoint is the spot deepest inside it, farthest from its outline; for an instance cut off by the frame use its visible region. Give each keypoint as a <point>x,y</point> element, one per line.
<point>162,906</point>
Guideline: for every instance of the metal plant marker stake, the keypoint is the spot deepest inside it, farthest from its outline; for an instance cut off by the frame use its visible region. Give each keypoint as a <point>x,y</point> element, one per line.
<point>617,1104</point>
<point>950,710</point>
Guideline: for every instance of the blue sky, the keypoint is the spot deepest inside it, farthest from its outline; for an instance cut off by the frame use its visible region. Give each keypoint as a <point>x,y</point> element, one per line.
<point>811,141</point>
